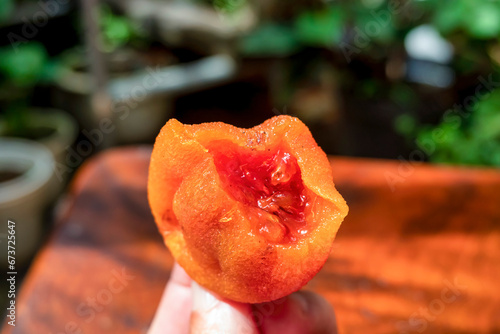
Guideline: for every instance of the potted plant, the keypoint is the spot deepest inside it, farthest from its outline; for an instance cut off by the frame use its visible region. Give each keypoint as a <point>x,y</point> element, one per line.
<point>141,80</point>
<point>27,185</point>
<point>20,71</point>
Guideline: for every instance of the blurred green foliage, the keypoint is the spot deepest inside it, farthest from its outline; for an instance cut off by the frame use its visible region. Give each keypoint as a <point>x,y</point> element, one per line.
<point>228,6</point>
<point>118,31</point>
<point>464,137</point>
<point>473,140</point>
<point>270,39</point>
<point>21,69</point>
<point>471,26</point>
<point>319,26</point>
<point>478,18</point>
<point>26,65</point>
<point>322,27</point>
<point>6,7</point>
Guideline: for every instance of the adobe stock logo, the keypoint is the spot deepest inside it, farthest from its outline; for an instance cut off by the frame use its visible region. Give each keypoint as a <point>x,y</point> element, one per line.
<point>88,310</point>
<point>418,322</point>
<point>363,36</point>
<point>38,20</point>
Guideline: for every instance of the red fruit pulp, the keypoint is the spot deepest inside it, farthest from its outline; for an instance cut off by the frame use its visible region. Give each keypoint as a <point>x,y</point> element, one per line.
<point>269,183</point>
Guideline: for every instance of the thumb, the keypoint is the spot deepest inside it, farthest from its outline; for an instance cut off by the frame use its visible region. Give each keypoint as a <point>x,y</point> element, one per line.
<point>213,315</point>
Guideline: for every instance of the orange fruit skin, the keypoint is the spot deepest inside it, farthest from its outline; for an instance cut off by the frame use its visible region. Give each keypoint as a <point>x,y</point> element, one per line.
<point>209,232</point>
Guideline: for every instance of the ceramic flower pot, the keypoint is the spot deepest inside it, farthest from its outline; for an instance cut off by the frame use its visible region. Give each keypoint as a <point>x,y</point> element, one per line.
<point>27,184</point>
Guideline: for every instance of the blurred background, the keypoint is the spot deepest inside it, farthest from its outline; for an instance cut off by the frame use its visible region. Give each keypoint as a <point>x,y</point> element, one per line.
<point>408,80</point>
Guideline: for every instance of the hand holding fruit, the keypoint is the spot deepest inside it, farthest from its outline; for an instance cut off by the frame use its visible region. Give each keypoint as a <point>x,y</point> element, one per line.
<point>188,308</point>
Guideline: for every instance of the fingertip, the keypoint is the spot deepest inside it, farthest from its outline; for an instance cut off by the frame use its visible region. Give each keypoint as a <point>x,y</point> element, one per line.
<point>302,312</point>
<point>203,301</point>
<point>179,276</point>
<point>212,314</point>
<point>169,319</point>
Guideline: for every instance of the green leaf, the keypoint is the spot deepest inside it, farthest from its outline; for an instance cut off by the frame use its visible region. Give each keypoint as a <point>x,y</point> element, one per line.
<point>117,32</point>
<point>229,6</point>
<point>24,65</point>
<point>374,28</point>
<point>449,15</point>
<point>474,143</point>
<point>270,40</point>
<point>483,21</point>
<point>321,28</point>
<point>485,124</point>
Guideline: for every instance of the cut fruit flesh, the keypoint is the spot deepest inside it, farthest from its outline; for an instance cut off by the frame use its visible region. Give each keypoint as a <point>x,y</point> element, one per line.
<point>269,184</point>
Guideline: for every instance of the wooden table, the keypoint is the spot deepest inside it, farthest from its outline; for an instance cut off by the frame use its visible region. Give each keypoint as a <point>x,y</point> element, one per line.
<point>418,253</point>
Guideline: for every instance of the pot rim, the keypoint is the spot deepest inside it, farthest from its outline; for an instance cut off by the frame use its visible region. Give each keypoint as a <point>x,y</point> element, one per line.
<point>32,159</point>
<point>65,127</point>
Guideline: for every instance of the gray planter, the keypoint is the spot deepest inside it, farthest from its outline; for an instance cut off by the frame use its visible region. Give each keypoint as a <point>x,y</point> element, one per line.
<point>27,185</point>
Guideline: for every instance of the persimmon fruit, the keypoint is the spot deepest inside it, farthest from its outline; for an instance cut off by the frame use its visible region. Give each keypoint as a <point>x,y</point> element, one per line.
<point>250,214</point>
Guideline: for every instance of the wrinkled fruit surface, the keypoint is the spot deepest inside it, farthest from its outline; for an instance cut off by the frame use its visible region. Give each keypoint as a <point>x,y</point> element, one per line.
<point>250,214</point>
